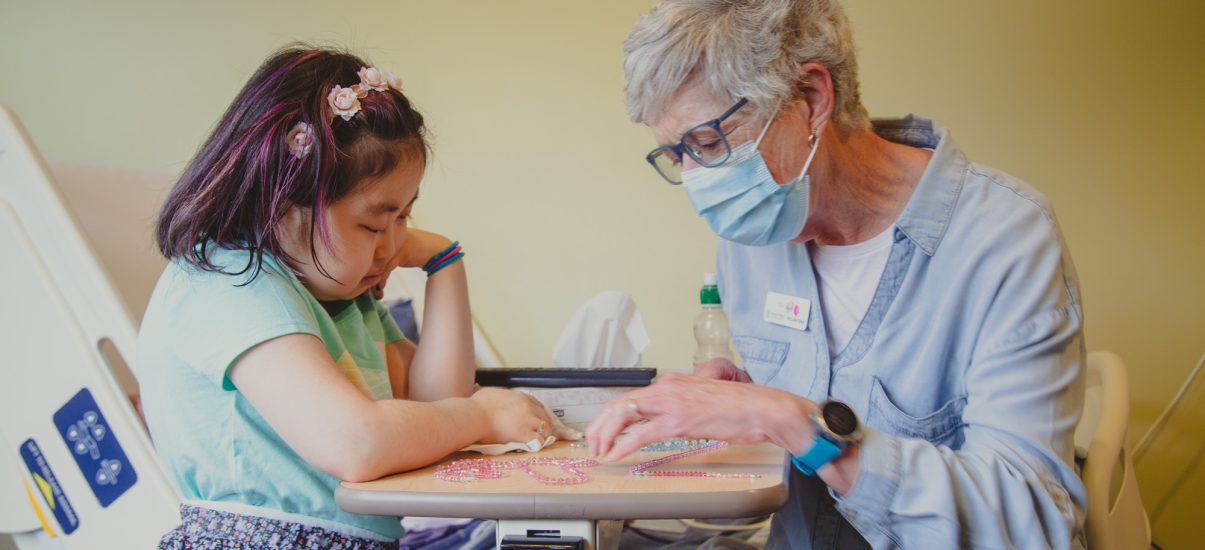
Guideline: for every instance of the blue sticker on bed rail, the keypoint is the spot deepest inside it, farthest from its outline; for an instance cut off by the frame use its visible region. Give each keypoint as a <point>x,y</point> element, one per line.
<point>47,485</point>
<point>95,448</point>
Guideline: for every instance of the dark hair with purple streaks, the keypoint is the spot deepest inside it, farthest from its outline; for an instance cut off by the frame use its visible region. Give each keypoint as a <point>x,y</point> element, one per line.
<point>237,189</point>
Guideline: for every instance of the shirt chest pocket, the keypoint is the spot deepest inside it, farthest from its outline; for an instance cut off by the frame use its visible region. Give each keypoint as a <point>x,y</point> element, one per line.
<point>762,358</point>
<point>941,427</point>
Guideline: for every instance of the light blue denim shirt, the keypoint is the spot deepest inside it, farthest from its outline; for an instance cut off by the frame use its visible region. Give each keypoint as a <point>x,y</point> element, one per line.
<point>967,369</point>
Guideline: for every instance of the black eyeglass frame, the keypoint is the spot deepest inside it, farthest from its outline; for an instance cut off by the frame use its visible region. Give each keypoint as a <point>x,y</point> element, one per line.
<point>678,149</point>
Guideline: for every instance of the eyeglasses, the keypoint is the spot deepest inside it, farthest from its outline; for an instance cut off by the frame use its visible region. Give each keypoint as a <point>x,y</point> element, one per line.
<point>705,144</point>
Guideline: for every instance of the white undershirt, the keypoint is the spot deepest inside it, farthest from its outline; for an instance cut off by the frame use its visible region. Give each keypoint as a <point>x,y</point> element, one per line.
<point>848,276</point>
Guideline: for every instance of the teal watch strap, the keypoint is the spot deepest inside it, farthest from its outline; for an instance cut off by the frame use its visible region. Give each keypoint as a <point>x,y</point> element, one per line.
<point>822,452</point>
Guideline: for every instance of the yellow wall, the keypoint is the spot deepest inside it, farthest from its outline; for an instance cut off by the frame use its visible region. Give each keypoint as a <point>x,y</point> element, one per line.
<point>539,173</point>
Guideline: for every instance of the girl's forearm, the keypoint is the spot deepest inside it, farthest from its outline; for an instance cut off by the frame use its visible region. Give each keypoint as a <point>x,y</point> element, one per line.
<point>404,435</point>
<point>444,364</point>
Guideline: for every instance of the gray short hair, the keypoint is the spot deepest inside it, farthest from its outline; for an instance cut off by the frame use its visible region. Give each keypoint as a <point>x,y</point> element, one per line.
<point>740,48</point>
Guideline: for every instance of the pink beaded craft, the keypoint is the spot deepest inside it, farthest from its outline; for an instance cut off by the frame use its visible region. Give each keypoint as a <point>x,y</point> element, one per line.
<point>473,469</point>
<point>644,468</point>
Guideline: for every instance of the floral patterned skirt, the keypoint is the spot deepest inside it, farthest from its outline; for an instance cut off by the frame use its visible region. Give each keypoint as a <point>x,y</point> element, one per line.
<point>205,529</point>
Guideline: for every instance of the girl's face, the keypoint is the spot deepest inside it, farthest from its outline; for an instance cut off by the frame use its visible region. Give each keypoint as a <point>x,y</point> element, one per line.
<point>367,228</point>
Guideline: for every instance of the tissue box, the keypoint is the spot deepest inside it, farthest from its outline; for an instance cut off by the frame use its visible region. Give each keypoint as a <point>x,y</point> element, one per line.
<point>576,407</point>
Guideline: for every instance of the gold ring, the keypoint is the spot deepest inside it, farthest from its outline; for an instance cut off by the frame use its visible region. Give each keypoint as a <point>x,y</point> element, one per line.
<point>632,406</point>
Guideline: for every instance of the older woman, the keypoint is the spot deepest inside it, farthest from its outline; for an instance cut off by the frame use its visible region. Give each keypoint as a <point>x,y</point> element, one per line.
<point>910,320</point>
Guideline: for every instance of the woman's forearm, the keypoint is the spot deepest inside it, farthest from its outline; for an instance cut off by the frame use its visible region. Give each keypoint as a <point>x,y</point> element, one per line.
<point>787,423</point>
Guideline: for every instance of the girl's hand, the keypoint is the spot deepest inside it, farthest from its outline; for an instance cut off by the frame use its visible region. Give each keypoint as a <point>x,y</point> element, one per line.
<point>417,247</point>
<point>513,416</point>
<point>700,408</point>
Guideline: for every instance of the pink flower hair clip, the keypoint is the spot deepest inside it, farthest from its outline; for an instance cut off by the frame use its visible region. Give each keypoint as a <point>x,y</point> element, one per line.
<point>300,140</point>
<point>345,102</point>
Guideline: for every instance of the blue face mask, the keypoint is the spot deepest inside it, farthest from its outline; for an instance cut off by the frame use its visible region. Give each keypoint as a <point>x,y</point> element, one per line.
<point>741,201</point>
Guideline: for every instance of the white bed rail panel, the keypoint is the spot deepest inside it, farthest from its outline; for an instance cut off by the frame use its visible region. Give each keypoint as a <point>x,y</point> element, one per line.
<point>76,461</point>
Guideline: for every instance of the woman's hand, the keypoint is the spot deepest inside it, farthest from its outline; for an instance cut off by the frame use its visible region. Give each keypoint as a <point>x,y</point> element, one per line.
<point>418,246</point>
<point>513,416</point>
<point>693,407</point>
<point>720,368</point>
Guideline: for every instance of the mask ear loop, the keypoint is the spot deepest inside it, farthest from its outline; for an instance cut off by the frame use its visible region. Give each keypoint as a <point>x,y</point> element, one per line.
<point>766,128</point>
<point>757,142</point>
<point>813,139</point>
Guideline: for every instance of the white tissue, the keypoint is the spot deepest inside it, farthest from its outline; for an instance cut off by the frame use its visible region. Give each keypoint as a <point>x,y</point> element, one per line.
<point>606,332</point>
<point>503,448</point>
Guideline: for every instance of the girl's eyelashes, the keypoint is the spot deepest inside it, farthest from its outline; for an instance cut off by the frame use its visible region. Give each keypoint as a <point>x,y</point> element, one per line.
<point>402,218</point>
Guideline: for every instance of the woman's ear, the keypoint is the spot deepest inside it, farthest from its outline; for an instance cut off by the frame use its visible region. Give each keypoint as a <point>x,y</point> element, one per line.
<point>815,88</point>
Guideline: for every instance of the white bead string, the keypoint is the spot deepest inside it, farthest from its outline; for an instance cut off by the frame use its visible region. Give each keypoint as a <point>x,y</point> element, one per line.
<point>644,468</point>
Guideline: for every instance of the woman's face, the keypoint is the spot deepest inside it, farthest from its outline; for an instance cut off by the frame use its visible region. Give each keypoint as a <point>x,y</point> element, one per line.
<point>367,228</point>
<point>691,107</point>
<point>784,147</point>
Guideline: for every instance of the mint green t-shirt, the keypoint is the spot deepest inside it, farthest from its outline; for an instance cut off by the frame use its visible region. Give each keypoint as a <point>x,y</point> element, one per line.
<point>212,442</point>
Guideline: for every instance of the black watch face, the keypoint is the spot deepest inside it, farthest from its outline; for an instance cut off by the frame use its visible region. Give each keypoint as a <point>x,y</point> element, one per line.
<point>839,418</point>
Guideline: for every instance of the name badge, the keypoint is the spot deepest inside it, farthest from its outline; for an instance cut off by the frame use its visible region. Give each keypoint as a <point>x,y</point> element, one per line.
<point>787,311</point>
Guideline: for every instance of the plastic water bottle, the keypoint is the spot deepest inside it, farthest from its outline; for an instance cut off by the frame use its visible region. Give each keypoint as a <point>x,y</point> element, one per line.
<point>711,325</point>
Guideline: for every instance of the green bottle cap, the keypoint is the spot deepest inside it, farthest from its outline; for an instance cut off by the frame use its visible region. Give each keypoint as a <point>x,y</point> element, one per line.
<point>710,294</point>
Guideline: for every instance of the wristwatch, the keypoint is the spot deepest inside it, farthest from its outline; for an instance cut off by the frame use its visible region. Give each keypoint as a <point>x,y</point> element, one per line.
<point>836,428</point>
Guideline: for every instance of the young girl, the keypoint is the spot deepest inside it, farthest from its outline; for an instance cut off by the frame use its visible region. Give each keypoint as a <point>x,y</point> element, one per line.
<point>268,370</point>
